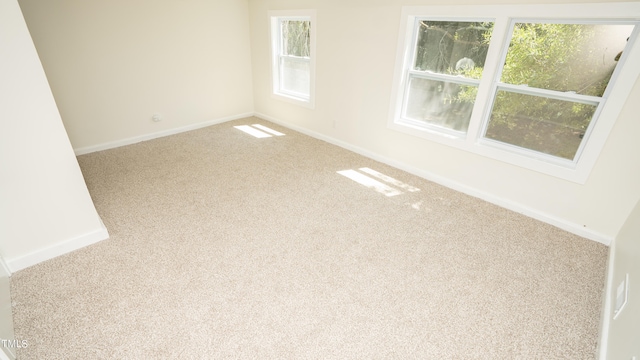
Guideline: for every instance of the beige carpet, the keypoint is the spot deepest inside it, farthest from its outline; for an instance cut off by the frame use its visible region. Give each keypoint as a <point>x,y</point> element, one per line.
<point>228,246</point>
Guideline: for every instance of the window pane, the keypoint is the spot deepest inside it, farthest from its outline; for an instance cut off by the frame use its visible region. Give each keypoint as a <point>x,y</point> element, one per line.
<point>565,57</point>
<point>440,103</point>
<point>295,38</point>
<point>295,75</point>
<point>452,47</point>
<point>554,127</point>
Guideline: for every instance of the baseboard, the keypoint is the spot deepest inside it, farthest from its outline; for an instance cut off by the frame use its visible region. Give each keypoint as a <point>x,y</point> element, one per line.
<point>155,135</point>
<point>56,250</point>
<point>4,268</point>
<point>4,356</point>
<point>573,228</point>
<point>605,320</point>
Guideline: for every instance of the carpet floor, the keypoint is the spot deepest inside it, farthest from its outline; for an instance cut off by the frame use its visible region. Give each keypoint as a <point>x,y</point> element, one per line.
<point>224,245</point>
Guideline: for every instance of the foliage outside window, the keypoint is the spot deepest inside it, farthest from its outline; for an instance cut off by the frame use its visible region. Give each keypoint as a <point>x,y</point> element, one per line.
<point>292,57</point>
<point>444,76</point>
<point>541,97</point>
<point>552,83</point>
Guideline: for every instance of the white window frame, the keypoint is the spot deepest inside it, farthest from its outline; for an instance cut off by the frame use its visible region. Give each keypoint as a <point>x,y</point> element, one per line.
<point>411,73</point>
<point>275,18</point>
<point>503,17</point>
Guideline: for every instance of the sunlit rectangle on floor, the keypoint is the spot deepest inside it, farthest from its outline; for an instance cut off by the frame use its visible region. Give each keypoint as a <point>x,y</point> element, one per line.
<point>269,130</point>
<point>252,131</point>
<point>370,183</point>
<point>389,179</point>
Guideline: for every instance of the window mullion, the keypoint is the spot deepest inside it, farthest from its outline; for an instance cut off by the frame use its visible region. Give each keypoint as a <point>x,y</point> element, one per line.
<point>552,94</point>
<point>296,58</point>
<point>280,72</point>
<point>444,77</point>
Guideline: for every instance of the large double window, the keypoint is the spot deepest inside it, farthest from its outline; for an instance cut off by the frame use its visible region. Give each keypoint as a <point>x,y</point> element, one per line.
<point>528,90</point>
<point>292,49</point>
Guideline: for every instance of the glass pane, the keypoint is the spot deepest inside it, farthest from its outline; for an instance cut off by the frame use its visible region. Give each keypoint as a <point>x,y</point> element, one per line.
<point>554,127</point>
<point>565,57</point>
<point>452,47</point>
<point>440,103</point>
<point>295,75</point>
<point>295,37</point>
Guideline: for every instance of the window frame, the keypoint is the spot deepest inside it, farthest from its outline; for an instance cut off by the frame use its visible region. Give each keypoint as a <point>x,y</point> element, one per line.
<point>598,102</point>
<point>411,73</point>
<point>277,58</point>
<point>503,17</point>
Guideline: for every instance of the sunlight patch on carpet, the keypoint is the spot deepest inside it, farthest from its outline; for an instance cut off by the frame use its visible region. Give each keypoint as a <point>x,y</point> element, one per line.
<point>370,182</point>
<point>267,129</point>
<point>252,131</point>
<point>389,179</point>
<point>259,131</point>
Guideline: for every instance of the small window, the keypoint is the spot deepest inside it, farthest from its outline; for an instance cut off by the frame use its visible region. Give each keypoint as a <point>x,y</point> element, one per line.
<point>292,39</point>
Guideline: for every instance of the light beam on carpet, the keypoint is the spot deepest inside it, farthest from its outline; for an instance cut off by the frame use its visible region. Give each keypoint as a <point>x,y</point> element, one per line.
<point>389,179</point>
<point>370,182</point>
<point>269,130</point>
<point>252,131</point>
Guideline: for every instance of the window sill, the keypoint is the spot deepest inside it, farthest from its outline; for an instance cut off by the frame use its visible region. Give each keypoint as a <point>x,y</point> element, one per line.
<point>308,103</point>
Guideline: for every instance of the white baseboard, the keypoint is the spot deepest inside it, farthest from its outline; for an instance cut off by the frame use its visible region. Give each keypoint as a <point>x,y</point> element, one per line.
<point>502,202</point>
<point>5,356</point>
<point>56,250</point>
<point>4,268</point>
<point>155,135</point>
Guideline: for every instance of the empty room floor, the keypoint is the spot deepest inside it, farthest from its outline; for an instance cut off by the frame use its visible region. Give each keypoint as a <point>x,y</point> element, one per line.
<point>226,245</point>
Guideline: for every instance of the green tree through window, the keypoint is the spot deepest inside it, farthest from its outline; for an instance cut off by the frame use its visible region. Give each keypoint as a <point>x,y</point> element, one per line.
<point>445,73</point>
<point>563,59</point>
<point>296,38</point>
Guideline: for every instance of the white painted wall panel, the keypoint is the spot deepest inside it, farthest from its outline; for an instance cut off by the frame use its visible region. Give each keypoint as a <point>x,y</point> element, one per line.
<point>44,201</point>
<point>620,335</point>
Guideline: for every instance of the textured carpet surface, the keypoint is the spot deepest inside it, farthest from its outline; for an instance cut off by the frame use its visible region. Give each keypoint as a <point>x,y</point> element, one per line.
<point>228,246</point>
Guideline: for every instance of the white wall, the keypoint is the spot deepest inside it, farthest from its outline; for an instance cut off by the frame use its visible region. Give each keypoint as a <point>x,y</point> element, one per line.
<point>621,335</point>
<point>45,208</point>
<point>113,64</point>
<point>356,49</point>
